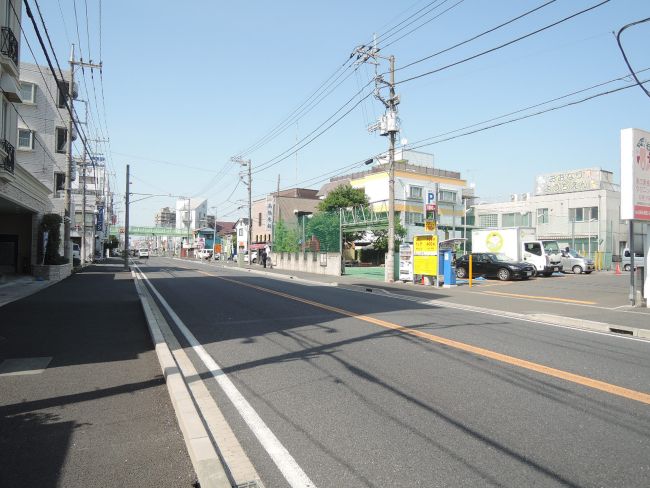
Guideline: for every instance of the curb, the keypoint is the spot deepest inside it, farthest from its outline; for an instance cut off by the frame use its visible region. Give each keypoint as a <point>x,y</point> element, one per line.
<point>265,273</point>
<point>206,462</point>
<point>544,319</point>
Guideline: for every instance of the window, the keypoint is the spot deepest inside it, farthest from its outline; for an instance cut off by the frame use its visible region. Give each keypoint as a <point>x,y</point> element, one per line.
<point>61,139</point>
<point>59,181</point>
<point>533,248</point>
<point>411,218</point>
<point>63,94</point>
<point>240,233</point>
<point>583,214</point>
<point>25,139</point>
<point>28,92</point>
<point>415,192</point>
<point>515,219</point>
<point>488,220</point>
<point>447,196</point>
<point>259,219</point>
<point>542,215</point>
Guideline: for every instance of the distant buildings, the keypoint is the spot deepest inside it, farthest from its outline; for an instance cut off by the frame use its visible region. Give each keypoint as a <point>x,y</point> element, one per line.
<point>166,217</point>
<point>191,213</point>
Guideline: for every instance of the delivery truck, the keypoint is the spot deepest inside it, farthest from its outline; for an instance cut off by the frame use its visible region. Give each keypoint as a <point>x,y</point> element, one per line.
<point>520,244</point>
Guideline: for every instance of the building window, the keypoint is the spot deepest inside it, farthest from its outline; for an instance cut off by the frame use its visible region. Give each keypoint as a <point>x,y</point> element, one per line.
<point>59,184</point>
<point>415,192</point>
<point>542,215</point>
<point>447,196</point>
<point>240,232</point>
<point>515,219</point>
<point>61,139</point>
<point>411,218</point>
<point>259,219</point>
<point>25,139</point>
<point>583,214</point>
<point>62,96</point>
<point>28,92</point>
<point>488,220</point>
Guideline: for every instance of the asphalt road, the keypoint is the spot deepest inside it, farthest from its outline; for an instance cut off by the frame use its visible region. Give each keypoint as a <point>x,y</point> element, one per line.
<point>368,390</point>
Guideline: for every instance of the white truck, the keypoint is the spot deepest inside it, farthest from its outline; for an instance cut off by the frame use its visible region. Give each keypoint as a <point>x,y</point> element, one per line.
<point>639,260</point>
<point>520,244</point>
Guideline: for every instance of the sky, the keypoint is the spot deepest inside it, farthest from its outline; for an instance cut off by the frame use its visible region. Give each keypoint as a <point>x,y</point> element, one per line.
<point>185,86</point>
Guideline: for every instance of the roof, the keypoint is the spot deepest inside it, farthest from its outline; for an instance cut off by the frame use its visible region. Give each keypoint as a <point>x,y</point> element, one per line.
<point>332,185</point>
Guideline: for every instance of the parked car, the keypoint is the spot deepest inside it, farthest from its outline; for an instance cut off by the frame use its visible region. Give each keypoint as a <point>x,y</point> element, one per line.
<point>254,256</point>
<point>143,252</point>
<point>493,265</point>
<point>76,251</point>
<point>639,260</point>
<point>572,261</point>
<point>204,253</point>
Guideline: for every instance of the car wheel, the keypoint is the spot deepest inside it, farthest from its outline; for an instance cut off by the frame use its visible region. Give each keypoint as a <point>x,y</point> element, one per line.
<point>587,272</point>
<point>626,267</point>
<point>461,273</point>
<point>503,274</point>
<point>577,269</point>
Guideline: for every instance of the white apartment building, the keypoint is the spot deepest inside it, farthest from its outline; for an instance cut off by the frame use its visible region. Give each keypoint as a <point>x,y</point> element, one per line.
<point>241,234</point>
<point>579,208</point>
<point>191,213</point>
<point>23,197</point>
<point>41,140</point>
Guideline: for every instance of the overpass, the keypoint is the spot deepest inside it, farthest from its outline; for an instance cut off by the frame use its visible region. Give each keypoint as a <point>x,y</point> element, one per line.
<point>151,231</point>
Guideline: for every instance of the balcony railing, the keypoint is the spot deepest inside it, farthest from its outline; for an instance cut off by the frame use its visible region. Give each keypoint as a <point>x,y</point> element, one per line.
<point>9,45</point>
<point>9,160</point>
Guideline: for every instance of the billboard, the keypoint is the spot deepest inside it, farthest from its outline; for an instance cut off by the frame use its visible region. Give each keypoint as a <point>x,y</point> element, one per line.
<point>425,259</point>
<point>568,182</point>
<point>635,174</point>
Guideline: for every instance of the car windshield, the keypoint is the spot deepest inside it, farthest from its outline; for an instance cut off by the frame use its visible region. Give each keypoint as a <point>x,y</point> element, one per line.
<point>574,254</point>
<point>500,257</point>
<point>551,247</point>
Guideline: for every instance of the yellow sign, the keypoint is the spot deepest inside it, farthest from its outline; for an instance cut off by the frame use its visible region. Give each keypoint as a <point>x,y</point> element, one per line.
<point>425,259</point>
<point>425,244</point>
<point>430,225</point>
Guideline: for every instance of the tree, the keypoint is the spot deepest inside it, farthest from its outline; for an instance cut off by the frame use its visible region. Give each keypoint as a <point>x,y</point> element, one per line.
<point>380,243</point>
<point>111,243</point>
<point>343,196</point>
<point>285,240</point>
<point>324,226</point>
<point>51,223</point>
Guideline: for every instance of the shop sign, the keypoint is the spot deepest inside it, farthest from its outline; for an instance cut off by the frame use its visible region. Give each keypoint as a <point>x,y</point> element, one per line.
<point>635,174</point>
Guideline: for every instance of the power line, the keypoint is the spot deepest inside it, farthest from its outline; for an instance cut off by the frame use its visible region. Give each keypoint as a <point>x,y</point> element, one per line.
<point>514,19</point>
<point>530,107</point>
<point>423,24</point>
<point>620,46</point>
<point>510,121</point>
<point>501,46</point>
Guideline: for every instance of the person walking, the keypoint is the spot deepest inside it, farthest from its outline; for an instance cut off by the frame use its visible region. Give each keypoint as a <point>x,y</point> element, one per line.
<point>264,256</point>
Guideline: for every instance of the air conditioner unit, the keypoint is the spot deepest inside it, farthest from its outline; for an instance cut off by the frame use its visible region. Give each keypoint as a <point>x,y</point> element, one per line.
<point>514,197</point>
<point>524,196</point>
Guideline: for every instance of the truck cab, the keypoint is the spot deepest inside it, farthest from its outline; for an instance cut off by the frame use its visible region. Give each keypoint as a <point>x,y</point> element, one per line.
<point>544,255</point>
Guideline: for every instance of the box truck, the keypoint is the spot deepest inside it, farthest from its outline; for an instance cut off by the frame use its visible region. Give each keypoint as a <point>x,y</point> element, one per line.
<point>520,244</point>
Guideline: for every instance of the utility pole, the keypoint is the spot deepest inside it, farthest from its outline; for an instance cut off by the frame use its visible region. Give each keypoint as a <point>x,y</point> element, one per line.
<point>83,210</point>
<point>67,201</point>
<point>276,203</point>
<point>247,163</point>
<point>388,125</point>
<point>126,220</point>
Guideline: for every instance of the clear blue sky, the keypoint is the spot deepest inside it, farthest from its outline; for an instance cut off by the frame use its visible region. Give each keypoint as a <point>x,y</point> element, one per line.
<point>194,83</point>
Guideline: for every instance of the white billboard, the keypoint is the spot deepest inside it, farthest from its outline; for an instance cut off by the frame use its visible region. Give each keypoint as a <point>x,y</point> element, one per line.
<point>635,174</point>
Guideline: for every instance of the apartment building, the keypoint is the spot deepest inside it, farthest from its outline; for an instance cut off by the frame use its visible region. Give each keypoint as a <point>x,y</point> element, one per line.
<point>414,175</point>
<point>23,197</point>
<point>166,217</point>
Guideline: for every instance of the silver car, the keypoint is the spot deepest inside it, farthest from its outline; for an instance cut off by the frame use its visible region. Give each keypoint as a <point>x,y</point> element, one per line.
<point>573,261</point>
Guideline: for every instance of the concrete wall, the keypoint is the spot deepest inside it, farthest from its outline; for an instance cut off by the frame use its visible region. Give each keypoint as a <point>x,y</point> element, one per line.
<point>52,272</point>
<point>308,262</point>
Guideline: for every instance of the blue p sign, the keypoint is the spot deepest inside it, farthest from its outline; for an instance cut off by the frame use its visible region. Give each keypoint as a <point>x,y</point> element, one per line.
<point>431,197</point>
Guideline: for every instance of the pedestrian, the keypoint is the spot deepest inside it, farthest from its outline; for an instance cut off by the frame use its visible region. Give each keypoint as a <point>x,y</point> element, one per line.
<point>264,256</point>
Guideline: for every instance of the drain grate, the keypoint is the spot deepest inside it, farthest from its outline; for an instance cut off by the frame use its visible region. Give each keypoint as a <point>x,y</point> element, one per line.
<point>621,331</point>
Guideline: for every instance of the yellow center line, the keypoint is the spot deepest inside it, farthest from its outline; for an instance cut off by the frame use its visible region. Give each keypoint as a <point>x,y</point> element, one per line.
<point>479,351</point>
<point>538,297</point>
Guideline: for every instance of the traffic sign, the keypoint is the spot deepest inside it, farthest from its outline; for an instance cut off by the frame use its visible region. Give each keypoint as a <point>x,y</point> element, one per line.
<point>430,225</point>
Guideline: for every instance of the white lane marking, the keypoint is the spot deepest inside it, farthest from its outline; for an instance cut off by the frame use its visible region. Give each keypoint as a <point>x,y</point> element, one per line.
<point>287,465</point>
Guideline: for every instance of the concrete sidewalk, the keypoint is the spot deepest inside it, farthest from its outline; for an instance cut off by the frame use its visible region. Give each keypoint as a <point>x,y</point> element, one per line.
<point>83,402</point>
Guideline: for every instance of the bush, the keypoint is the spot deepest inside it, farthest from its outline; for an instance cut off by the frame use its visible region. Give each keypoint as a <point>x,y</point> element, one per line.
<point>51,223</point>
